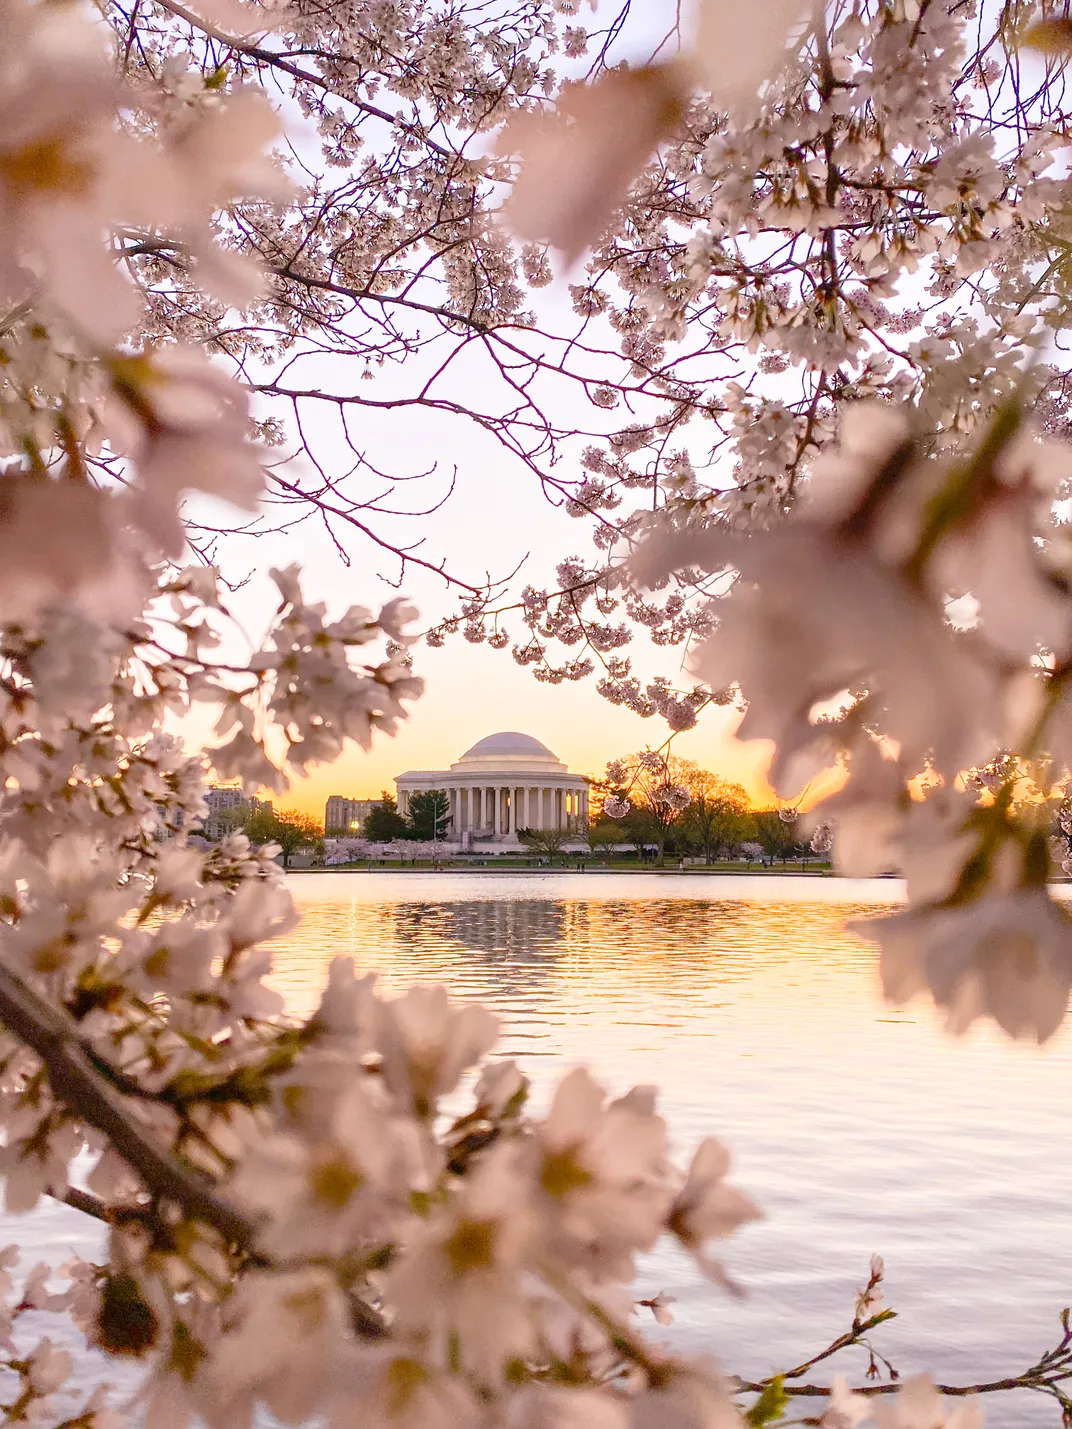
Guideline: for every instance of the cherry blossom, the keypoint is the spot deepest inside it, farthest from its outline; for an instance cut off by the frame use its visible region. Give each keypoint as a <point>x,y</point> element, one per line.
<point>822,460</point>
<point>1007,956</point>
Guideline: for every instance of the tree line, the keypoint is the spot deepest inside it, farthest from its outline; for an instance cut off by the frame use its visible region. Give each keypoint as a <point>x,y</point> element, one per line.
<point>291,830</point>
<point>717,821</point>
<point>663,805</point>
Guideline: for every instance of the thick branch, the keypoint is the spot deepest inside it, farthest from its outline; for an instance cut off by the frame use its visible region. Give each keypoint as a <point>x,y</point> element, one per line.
<point>85,1202</point>
<point>77,1083</point>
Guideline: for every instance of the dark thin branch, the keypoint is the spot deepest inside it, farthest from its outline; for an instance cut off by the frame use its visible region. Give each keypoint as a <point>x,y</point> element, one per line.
<point>269,57</point>
<point>1045,1376</point>
<point>85,1202</point>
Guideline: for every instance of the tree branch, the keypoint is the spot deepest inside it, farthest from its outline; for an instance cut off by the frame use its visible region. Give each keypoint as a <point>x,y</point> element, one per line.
<point>263,56</point>
<point>77,1083</point>
<point>1046,1376</point>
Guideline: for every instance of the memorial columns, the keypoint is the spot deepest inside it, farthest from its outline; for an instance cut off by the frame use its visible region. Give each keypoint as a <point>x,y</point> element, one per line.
<point>500,802</point>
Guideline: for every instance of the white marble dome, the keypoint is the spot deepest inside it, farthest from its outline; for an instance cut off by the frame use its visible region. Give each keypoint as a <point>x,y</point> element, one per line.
<point>509,744</point>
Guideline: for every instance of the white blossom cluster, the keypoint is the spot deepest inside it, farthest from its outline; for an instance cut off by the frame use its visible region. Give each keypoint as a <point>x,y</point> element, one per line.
<point>878,222</point>
<point>882,219</point>
<point>872,168</point>
<point>886,532</point>
<point>356,1218</point>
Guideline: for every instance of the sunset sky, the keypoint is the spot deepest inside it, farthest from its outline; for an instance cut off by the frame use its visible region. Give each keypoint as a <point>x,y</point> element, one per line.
<point>496,520</point>
<point>474,692</point>
<point>495,523</point>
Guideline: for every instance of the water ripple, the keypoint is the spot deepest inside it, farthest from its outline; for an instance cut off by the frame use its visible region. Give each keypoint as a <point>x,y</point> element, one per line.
<point>859,1128</point>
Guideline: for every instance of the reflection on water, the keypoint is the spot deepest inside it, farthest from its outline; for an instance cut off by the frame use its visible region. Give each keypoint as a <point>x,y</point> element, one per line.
<point>857,1127</point>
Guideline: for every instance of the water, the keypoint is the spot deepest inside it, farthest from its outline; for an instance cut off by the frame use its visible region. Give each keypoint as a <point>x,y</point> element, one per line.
<point>857,1128</point>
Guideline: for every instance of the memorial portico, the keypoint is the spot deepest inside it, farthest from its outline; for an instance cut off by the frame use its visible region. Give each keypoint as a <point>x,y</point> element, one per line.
<point>506,782</point>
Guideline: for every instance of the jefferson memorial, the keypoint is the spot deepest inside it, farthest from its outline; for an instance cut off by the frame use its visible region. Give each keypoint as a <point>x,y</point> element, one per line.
<point>506,782</point>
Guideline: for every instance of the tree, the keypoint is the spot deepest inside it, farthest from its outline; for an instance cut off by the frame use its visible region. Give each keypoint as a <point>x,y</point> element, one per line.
<point>429,815</point>
<point>647,793</point>
<point>347,849</point>
<point>291,830</point>
<point>549,843</point>
<point>644,830</point>
<point>384,823</point>
<point>473,306</point>
<point>752,851</point>
<point>715,819</point>
<point>774,833</point>
<point>824,265</point>
<point>603,837</point>
<point>226,821</point>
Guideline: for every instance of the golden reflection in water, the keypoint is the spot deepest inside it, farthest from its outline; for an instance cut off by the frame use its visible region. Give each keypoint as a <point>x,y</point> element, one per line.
<point>859,1128</point>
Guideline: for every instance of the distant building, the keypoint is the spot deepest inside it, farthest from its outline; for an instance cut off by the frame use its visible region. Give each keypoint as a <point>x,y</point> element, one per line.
<point>228,809</point>
<point>342,815</point>
<point>506,782</point>
<point>169,824</point>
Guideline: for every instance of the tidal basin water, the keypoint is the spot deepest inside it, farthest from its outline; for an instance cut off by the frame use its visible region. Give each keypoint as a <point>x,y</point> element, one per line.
<point>858,1128</point>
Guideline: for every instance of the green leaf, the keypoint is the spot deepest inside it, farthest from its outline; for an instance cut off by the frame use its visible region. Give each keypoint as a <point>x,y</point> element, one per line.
<point>770,1405</point>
